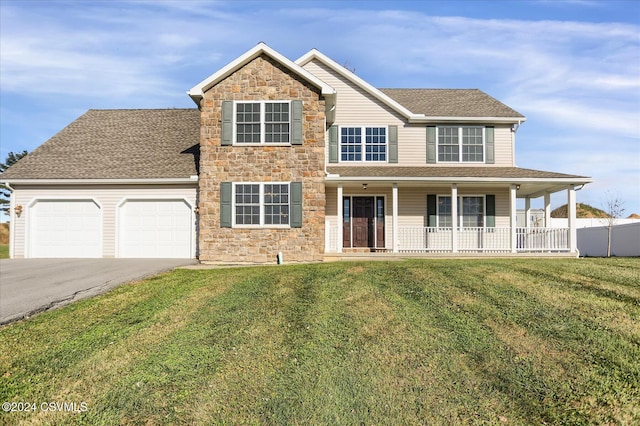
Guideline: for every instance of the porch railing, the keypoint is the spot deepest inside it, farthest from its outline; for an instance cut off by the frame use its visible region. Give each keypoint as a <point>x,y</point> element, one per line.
<point>488,240</point>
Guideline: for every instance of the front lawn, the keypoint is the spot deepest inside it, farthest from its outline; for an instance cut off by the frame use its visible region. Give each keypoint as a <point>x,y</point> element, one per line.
<point>409,342</point>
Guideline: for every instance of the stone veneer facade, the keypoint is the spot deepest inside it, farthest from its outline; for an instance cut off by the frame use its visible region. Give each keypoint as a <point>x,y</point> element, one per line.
<point>262,79</point>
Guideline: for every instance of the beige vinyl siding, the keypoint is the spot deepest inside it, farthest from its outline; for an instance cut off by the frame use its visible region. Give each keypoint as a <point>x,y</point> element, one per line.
<point>355,107</point>
<point>108,197</point>
<point>503,140</point>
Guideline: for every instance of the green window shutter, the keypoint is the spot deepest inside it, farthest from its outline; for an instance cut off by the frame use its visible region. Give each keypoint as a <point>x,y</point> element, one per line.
<point>431,145</point>
<point>227,123</point>
<point>432,210</point>
<point>295,199</point>
<point>226,189</point>
<point>393,144</point>
<point>491,211</point>
<point>489,145</point>
<point>296,122</point>
<point>333,144</point>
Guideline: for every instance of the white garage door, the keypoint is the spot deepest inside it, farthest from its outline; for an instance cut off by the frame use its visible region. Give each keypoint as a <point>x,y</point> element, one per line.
<point>65,228</point>
<point>155,228</point>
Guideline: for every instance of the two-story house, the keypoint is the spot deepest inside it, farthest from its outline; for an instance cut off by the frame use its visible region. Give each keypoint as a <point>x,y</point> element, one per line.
<point>302,158</point>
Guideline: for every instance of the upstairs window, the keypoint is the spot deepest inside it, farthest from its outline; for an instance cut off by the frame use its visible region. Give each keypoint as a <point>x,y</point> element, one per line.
<point>262,122</point>
<point>460,144</point>
<point>372,141</point>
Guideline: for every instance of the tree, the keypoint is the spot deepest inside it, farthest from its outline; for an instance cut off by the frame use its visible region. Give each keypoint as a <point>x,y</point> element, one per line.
<point>614,206</point>
<point>5,193</point>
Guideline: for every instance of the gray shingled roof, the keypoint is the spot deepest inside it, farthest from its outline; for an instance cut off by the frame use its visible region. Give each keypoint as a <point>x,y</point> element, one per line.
<point>451,103</point>
<point>446,172</point>
<point>117,144</point>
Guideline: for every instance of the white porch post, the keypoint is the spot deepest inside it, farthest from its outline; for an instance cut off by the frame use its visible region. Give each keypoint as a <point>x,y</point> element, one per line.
<point>454,218</point>
<point>340,219</point>
<point>547,210</point>
<point>513,215</point>
<point>527,212</point>
<point>571,215</point>
<point>394,218</point>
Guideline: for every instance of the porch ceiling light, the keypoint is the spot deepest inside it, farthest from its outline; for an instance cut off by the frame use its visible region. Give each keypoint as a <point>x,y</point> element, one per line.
<point>518,187</point>
<point>364,186</point>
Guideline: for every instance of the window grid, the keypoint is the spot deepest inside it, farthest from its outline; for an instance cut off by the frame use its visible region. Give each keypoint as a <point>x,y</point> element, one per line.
<point>351,143</point>
<point>262,122</point>
<point>276,204</point>
<point>470,211</point>
<point>472,148</point>
<point>276,122</point>
<point>248,123</point>
<point>247,204</point>
<point>448,146</point>
<point>376,144</point>
<point>461,144</point>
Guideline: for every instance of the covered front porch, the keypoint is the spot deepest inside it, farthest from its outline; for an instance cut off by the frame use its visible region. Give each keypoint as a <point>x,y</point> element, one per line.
<point>439,216</point>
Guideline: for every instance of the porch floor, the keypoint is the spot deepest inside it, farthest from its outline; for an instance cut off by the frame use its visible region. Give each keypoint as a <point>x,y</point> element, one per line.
<point>333,257</point>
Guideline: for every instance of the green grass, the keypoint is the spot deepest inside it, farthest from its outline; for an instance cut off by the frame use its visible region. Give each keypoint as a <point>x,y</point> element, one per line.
<point>4,251</point>
<point>409,342</point>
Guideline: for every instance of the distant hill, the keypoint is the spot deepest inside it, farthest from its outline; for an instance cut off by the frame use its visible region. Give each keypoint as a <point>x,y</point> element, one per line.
<point>582,210</point>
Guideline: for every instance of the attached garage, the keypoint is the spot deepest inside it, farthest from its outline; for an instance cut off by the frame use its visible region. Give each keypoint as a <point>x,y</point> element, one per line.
<point>65,228</point>
<point>155,229</point>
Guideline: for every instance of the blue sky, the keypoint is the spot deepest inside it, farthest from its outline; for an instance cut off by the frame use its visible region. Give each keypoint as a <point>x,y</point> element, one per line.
<point>571,67</point>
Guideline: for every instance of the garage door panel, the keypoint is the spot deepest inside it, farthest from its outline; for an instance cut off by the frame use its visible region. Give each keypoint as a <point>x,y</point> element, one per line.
<point>65,228</point>
<point>155,228</point>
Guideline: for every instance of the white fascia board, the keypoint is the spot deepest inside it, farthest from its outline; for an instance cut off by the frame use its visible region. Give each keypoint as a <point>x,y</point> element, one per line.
<point>197,92</point>
<point>315,54</point>
<point>154,181</point>
<point>481,180</point>
<point>425,119</point>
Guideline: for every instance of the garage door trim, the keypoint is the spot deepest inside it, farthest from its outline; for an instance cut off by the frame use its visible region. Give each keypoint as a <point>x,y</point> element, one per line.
<point>28,236</point>
<point>123,201</point>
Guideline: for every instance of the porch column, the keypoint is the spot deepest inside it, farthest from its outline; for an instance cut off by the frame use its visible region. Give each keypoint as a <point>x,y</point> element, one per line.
<point>454,218</point>
<point>571,215</point>
<point>340,219</point>
<point>527,212</point>
<point>547,210</point>
<point>513,214</point>
<point>394,218</point>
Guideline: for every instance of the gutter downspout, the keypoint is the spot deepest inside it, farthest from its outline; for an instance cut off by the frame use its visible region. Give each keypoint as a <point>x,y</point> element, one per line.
<point>12,216</point>
<point>514,130</point>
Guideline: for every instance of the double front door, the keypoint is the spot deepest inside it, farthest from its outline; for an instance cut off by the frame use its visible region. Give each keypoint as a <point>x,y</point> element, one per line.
<point>363,222</point>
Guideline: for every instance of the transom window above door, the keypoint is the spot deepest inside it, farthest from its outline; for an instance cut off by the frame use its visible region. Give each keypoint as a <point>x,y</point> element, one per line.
<point>363,144</point>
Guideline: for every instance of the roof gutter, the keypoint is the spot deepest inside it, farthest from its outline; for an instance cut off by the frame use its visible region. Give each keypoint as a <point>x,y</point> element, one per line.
<point>417,119</point>
<point>152,181</point>
<point>358,179</point>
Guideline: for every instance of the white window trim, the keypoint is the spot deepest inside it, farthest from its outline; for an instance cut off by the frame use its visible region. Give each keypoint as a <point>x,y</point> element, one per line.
<point>262,225</point>
<point>460,215</point>
<point>484,144</point>
<point>262,123</point>
<point>363,144</point>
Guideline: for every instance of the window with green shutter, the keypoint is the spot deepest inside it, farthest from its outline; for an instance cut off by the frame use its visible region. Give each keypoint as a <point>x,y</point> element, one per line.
<point>262,122</point>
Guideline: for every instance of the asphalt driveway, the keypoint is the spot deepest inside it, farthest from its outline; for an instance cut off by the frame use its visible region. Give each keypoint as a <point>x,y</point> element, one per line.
<point>29,286</point>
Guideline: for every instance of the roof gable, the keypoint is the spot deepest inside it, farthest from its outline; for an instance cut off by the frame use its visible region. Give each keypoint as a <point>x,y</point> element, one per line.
<point>198,90</point>
<point>427,105</point>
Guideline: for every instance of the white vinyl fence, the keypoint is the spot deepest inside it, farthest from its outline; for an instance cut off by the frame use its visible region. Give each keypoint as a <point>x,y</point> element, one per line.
<point>625,240</point>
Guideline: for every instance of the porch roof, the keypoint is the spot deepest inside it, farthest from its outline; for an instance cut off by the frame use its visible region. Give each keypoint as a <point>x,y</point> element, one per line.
<point>533,183</point>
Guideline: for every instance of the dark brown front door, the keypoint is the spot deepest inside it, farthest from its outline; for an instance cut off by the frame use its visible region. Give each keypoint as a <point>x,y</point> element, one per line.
<point>363,222</point>
<point>363,209</point>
